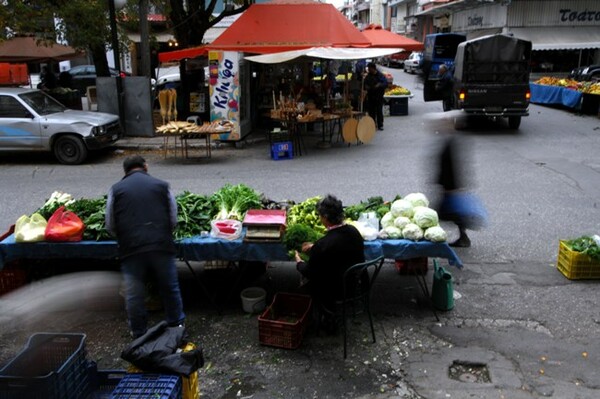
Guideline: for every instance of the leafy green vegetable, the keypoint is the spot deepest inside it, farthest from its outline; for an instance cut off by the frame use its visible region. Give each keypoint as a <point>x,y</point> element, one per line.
<point>92,214</point>
<point>56,200</point>
<point>306,213</point>
<point>586,245</point>
<point>297,234</point>
<point>194,213</point>
<point>372,204</point>
<point>234,201</point>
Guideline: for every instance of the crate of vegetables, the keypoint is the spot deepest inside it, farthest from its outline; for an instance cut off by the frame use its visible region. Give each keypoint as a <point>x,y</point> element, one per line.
<point>579,258</point>
<point>284,322</point>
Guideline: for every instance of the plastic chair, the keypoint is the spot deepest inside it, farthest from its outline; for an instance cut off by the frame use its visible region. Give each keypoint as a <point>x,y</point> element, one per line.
<point>356,295</point>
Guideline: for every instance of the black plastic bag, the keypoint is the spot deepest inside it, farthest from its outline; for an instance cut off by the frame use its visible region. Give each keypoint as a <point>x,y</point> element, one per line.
<point>158,351</point>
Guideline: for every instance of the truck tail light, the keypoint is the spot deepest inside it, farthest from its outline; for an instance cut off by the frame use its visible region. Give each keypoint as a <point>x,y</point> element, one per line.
<point>462,95</point>
<point>528,95</point>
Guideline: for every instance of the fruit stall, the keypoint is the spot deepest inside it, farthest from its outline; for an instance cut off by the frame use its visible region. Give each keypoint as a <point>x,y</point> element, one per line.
<point>583,97</point>
<point>396,98</point>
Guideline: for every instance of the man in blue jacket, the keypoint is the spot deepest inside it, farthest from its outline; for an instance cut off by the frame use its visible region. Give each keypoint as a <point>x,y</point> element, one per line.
<point>375,84</point>
<point>141,213</point>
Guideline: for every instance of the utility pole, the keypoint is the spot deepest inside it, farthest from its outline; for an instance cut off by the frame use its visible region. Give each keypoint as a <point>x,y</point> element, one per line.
<point>144,40</point>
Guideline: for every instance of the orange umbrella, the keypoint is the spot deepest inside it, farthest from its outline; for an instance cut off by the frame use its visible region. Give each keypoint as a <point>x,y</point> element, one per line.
<point>382,38</point>
<point>289,25</point>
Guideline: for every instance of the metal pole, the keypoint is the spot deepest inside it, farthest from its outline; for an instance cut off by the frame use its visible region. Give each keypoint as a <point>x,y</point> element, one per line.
<point>117,61</point>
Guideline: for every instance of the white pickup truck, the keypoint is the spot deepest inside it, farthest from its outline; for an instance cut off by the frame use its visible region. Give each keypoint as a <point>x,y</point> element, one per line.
<point>31,120</point>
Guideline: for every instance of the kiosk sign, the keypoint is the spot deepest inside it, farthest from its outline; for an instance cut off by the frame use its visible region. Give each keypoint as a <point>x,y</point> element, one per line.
<point>224,90</point>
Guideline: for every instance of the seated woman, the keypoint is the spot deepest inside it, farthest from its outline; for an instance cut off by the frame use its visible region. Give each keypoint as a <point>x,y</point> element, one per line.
<point>330,256</point>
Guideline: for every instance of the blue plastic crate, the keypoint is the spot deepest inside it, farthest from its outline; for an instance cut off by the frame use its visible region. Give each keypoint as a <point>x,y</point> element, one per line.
<point>51,366</point>
<point>283,150</point>
<point>103,382</point>
<point>144,386</point>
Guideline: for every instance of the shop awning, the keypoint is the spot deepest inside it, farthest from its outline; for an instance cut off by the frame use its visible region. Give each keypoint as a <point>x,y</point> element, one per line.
<point>177,55</point>
<point>329,53</point>
<point>380,37</point>
<point>26,49</point>
<point>283,26</point>
<point>555,38</point>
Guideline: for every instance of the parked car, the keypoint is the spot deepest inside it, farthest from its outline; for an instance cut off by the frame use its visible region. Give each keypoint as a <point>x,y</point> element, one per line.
<point>83,76</point>
<point>396,59</point>
<point>413,63</point>
<point>31,120</point>
<point>587,73</point>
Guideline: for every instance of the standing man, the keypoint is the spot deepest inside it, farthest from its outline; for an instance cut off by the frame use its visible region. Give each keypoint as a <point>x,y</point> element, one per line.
<point>375,84</point>
<point>141,213</point>
<point>444,86</point>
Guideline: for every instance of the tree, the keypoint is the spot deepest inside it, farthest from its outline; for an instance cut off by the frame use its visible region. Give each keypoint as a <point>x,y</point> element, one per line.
<point>192,18</point>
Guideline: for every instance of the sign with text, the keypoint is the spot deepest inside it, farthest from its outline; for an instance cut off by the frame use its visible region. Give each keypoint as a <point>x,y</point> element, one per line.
<point>224,90</point>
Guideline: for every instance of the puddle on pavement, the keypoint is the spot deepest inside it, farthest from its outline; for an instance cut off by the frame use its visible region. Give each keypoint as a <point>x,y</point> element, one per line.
<point>470,372</point>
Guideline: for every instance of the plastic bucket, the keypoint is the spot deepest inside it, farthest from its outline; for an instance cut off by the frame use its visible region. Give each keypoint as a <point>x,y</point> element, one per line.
<point>253,299</point>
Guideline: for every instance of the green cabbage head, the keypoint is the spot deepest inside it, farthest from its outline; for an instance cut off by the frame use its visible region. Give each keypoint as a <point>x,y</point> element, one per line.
<point>425,217</point>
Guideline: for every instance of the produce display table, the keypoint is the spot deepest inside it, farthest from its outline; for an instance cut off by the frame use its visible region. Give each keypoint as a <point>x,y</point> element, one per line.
<point>545,94</point>
<point>209,248</point>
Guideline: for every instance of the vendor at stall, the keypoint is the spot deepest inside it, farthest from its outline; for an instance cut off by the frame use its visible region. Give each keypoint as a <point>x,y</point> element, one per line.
<point>330,256</point>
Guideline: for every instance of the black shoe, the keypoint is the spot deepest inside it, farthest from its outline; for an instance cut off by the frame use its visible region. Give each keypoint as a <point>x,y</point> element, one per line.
<point>462,242</point>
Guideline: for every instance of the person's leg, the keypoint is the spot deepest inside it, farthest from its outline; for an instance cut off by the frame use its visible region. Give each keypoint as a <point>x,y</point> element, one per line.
<point>134,276</point>
<point>168,285</point>
<point>463,240</point>
<point>372,109</point>
<point>380,113</point>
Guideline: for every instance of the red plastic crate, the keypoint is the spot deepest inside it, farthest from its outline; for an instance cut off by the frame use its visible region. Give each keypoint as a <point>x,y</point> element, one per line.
<point>415,266</point>
<point>284,322</point>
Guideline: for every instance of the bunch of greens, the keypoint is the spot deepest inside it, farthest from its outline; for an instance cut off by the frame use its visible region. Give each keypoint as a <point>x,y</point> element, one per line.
<point>297,234</point>
<point>56,200</point>
<point>234,201</point>
<point>92,213</point>
<point>194,213</point>
<point>306,213</point>
<point>586,245</point>
<point>372,204</point>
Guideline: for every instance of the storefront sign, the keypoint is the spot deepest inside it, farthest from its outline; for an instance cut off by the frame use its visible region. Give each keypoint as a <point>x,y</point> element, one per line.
<point>528,13</point>
<point>493,16</point>
<point>224,89</point>
<point>568,15</point>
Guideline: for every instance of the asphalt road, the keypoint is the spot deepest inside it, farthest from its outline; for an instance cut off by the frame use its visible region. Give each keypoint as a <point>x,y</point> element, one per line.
<point>535,331</point>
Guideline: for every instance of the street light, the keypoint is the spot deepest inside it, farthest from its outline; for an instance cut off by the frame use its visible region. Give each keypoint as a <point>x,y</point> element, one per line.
<point>112,5</point>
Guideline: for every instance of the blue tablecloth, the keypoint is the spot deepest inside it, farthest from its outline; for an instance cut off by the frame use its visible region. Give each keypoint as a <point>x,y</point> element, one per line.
<point>543,94</point>
<point>199,248</point>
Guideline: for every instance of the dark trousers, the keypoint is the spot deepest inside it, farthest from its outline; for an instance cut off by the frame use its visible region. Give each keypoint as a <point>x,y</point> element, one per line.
<point>375,109</point>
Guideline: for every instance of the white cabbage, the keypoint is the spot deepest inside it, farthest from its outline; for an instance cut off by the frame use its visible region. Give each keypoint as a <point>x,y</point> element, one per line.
<point>387,220</point>
<point>401,221</point>
<point>393,232</point>
<point>425,217</point>
<point>417,199</point>
<point>402,207</point>
<point>412,232</point>
<point>435,234</point>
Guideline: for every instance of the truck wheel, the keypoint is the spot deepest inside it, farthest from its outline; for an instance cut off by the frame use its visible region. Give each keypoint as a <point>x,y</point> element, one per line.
<point>514,122</point>
<point>69,150</point>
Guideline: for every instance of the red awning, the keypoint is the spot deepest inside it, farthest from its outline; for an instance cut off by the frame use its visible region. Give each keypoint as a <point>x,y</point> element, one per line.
<point>26,49</point>
<point>177,55</point>
<point>291,25</point>
<point>381,38</point>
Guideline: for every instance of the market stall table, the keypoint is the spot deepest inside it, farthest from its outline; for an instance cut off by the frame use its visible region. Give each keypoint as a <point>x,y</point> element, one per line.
<point>546,94</point>
<point>209,248</point>
<point>398,104</point>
